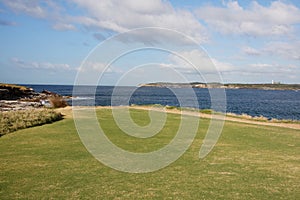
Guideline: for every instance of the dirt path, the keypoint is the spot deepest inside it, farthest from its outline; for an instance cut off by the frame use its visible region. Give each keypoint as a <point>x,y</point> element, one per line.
<point>68,114</point>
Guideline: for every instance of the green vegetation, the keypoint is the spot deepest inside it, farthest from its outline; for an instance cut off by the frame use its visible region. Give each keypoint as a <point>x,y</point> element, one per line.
<point>172,107</point>
<point>248,162</point>
<point>232,115</point>
<point>263,86</point>
<point>13,86</point>
<point>206,111</point>
<point>57,101</point>
<point>261,118</point>
<point>15,120</point>
<point>277,86</point>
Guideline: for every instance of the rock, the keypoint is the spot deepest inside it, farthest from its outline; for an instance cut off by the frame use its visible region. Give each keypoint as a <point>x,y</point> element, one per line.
<point>46,92</point>
<point>15,97</point>
<point>7,105</point>
<point>14,92</point>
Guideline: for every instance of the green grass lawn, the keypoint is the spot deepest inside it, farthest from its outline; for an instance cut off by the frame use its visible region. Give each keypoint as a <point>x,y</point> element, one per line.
<point>248,162</point>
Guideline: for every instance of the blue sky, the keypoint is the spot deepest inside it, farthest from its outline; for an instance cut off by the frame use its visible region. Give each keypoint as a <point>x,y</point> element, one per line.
<point>50,42</point>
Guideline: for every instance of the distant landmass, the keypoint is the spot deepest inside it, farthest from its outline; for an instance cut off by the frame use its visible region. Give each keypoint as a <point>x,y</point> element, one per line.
<point>263,86</point>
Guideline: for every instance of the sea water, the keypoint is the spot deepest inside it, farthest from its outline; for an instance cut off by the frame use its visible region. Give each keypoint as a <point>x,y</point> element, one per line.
<point>279,104</point>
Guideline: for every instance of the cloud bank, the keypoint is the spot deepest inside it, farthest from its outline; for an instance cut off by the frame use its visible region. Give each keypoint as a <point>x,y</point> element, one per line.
<point>277,19</point>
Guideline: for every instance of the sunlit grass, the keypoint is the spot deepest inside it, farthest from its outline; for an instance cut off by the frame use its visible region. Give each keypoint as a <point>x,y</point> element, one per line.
<point>248,162</point>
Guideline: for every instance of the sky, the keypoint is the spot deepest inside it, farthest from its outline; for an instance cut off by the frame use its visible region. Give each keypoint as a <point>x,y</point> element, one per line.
<point>130,42</point>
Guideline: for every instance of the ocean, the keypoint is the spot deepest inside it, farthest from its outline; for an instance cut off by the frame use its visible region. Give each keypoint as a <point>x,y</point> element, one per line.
<point>279,104</point>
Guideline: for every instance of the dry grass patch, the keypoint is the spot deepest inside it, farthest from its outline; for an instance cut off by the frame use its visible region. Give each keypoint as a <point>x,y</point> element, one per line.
<point>57,102</point>
<point>15,120</point>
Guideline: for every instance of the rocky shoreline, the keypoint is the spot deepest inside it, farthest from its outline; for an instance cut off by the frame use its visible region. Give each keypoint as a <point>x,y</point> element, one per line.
<point>16,97</point>
<point>8,105</point>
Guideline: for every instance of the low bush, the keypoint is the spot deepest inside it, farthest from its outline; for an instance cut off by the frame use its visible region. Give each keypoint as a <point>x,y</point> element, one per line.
<point>15,120</point>
<point>171,107</point>
<point>206,111</point>
<point>57,102</point>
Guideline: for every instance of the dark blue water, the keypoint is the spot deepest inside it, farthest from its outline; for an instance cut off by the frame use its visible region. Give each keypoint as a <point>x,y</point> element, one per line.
<point>278,104</point>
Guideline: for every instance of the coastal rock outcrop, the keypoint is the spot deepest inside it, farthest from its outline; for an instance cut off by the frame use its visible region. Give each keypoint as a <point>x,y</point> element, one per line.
<point>16,97</point>
<point>15,92</point>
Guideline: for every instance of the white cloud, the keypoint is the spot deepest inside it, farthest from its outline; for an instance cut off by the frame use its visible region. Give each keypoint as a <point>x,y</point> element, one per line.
<point>119,16</point>
<point>40,65</point>
<point>251,51</point>
<point>92,67</point>
<point>113,15</point>
<point>257,20</point>
<point>48,10</point>
<point>263,72</point>
<point>261,65</point>
<point>31,8</point>
<point>272,68</point>
<point>230,71</point>
<point>200,60</point>
<point>283,49</point>
<point>223,66</point>
<point>63,26</point>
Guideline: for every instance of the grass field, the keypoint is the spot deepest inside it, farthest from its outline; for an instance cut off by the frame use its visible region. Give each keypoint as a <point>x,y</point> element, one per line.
<point>248,162</point>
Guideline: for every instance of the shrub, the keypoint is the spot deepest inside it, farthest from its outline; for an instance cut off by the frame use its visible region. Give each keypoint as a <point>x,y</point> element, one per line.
<point>15,120</point>
<point>206,111</point>
<point>170,107</point>
<point>57,102</point>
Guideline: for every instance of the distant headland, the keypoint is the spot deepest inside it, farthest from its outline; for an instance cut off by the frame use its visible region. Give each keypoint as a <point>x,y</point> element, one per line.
<point>262,86</point>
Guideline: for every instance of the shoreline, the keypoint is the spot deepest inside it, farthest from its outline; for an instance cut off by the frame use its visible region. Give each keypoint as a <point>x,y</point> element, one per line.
<point>255,86</point>
<point>243,118</point>
<point>67,111</point>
